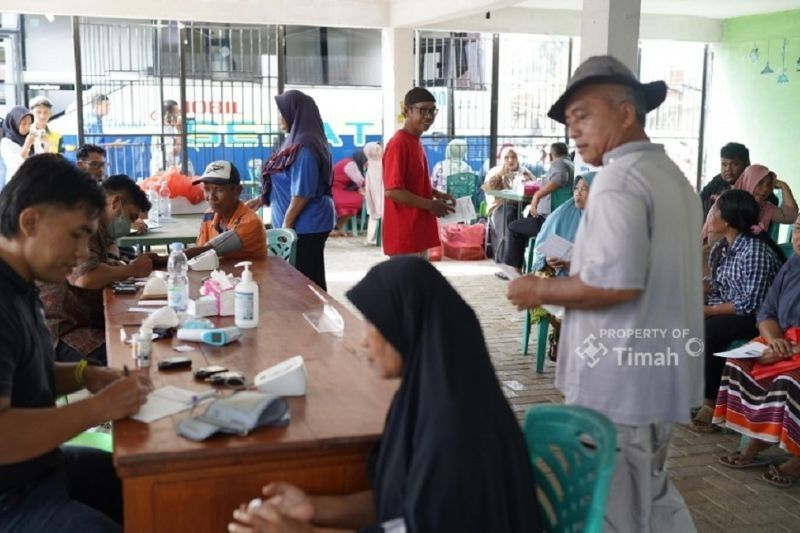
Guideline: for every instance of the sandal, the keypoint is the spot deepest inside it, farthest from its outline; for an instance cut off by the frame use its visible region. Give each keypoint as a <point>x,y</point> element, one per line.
<point>730,461</point>
<point>774,477</point>
<point>702,421</point>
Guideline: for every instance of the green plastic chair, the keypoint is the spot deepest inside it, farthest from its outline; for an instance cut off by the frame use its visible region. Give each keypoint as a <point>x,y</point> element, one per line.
<point>356,224</point>
<point>282,242</point>
<point>379,238</point>
<point>572,451</point>
<point>93,439</point>
<point>463,184</point>
<point>559,196</point>
<point>542,326</point>
<point>787,248</point>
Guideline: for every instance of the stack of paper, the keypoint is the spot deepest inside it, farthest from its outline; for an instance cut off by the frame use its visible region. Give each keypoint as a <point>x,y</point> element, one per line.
<point>751,350</point>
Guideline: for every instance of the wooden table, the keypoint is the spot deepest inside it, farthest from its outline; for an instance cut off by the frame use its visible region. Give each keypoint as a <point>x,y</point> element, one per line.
<point>181,228</point>
<point>172,484</point>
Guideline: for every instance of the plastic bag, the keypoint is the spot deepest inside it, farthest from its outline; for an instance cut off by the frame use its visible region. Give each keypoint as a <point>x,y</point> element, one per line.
<point>463,242</point>
<point>178,185</point>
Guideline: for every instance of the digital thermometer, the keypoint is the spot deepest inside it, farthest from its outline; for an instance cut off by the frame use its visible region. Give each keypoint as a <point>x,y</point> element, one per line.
<point>214,337</point>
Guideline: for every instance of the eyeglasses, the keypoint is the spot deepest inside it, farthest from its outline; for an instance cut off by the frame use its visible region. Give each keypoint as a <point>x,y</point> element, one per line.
<point>426,111</point>
<point>231,380</point>
<point>94,164</point>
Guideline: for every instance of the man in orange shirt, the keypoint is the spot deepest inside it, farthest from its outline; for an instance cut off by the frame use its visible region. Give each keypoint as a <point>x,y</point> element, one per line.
<point>230,228</point>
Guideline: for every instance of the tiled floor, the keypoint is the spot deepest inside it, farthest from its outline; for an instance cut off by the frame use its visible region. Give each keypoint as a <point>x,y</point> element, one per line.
<point>719,498</point>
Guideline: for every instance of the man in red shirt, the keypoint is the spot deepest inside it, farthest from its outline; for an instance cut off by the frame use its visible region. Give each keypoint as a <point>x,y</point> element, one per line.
<point>412,205</point>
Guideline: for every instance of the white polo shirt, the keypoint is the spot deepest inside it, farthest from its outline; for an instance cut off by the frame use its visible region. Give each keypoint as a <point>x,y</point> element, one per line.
<point>632,361</point>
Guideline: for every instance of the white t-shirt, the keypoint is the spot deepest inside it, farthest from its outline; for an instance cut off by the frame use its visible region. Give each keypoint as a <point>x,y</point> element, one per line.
<point>640,362</point>
<point>11,153</point>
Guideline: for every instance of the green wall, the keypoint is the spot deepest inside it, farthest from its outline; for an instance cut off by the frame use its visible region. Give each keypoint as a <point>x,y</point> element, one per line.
<point>752,108</point>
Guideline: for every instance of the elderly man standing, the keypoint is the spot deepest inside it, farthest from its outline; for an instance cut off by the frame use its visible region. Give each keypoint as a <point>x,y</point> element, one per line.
<point>630,338</point>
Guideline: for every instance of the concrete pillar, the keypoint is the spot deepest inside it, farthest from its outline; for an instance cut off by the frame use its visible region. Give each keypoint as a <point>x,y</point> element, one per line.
<point>398,74</point>
<point>611,27</point>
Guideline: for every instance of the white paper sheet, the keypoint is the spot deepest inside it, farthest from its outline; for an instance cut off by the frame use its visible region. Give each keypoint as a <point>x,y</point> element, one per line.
<point>167,401</point>
<point>464,212</point>
<point>557,247</point>
<point>153,303</point>
<point>750,350</point>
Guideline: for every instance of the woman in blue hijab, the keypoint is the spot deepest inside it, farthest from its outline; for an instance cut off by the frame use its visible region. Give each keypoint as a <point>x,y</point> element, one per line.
<point>564,223</point>
<point>298,180</point>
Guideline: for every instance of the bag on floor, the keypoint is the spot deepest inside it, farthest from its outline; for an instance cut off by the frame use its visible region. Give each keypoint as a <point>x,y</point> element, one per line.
<point>463,242</point>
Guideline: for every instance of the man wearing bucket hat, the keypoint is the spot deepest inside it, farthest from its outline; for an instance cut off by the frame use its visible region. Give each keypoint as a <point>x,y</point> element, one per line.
<point>631,334</point>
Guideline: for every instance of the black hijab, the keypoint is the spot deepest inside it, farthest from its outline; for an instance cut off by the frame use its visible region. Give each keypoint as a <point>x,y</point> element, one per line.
<point>11,124</point>
<point>452,456</point>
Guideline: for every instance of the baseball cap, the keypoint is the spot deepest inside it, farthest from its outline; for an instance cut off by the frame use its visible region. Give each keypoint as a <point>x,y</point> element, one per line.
<point>607,69</point>
<point>219,173</point>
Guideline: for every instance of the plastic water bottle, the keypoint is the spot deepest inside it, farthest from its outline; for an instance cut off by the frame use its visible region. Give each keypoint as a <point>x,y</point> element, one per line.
<point>153,197</point>
<point>177,279</point>
<point>165,204</point>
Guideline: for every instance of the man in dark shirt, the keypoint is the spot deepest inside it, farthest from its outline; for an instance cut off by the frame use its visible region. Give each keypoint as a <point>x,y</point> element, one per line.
<point>735,158</point>
<point>49,210</point>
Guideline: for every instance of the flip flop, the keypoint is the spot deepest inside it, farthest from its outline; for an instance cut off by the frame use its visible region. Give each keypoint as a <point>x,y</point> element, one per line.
<point>774,477</point>
<point>756,462</point>
<point>702,421</point>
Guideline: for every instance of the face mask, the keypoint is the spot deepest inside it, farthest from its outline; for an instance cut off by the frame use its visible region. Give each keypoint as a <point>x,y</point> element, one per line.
<point>120,226</point>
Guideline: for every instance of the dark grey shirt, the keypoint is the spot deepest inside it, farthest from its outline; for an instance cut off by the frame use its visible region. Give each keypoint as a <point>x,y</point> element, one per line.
<point>27,367</point>
<point>561,171</point>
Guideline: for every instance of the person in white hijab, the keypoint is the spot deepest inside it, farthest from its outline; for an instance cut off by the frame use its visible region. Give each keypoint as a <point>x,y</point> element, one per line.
<point>373,187</point>
<point>453,163</point>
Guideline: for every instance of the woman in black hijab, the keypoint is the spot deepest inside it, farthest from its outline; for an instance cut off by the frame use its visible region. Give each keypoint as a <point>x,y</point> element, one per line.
<point>16,140</point>
<point>452,456</point>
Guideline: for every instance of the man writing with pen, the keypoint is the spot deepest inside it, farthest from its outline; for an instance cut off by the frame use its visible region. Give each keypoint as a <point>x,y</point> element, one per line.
<point>49,212</point>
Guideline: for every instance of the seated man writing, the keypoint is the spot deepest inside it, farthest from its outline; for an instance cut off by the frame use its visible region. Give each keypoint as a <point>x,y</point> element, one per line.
<point>74,307</point>
<point>50,211</point>
<point>230,227</point>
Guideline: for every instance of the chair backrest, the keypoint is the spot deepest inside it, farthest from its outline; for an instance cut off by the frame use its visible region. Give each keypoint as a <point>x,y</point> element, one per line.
<point>559,196</point>
<point>463,184</point>
<point>528,264</point>
<point>788,249</point>
<point>572,450</point>
<point>282,242</point>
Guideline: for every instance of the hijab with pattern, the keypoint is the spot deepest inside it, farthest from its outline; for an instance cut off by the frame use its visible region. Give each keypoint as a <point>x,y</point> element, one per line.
<point>748,181</point>
<point>452,456</point>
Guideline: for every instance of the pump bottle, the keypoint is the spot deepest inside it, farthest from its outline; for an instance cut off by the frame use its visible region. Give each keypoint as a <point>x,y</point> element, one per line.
<point>246,299</point>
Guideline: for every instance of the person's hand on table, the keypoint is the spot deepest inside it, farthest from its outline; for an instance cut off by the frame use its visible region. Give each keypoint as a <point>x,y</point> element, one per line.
<point>97,378</point>
<point>141,267</point>
<point>140,226</point>
<point>122,397</point>
<point>266,518</point>
<point>526,292</point>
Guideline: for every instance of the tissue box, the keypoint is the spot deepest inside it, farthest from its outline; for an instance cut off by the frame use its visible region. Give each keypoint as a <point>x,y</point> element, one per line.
<point>203,306</point>
<point>224,297</point>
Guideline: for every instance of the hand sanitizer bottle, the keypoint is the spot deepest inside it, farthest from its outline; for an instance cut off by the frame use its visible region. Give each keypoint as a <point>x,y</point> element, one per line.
<point>246,299</point>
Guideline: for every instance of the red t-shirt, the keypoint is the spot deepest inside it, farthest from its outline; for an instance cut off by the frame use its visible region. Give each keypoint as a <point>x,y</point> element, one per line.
<point>406,229</point>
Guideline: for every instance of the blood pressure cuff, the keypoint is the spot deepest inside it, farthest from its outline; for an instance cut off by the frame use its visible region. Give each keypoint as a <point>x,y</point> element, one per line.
<point>226,243</point>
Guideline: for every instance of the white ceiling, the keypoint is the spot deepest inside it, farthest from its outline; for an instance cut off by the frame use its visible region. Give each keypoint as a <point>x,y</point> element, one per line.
<point>718,9</point>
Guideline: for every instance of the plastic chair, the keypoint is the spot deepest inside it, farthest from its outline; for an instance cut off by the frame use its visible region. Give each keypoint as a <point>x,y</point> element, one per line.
<point>93,439</point>
<point>463,184</point>
<point>282,242</point>
<point>559,196</point>
<point>572,451</point>
<point>354,224</point>
<point>788,249</point>
<point>543,325</point>
<point>380,233</point>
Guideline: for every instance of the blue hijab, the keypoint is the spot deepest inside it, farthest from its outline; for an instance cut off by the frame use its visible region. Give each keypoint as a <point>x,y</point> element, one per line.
<point>562,222</point>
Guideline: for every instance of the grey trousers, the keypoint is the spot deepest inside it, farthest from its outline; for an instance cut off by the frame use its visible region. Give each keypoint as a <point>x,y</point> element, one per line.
<point>641,497</point>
